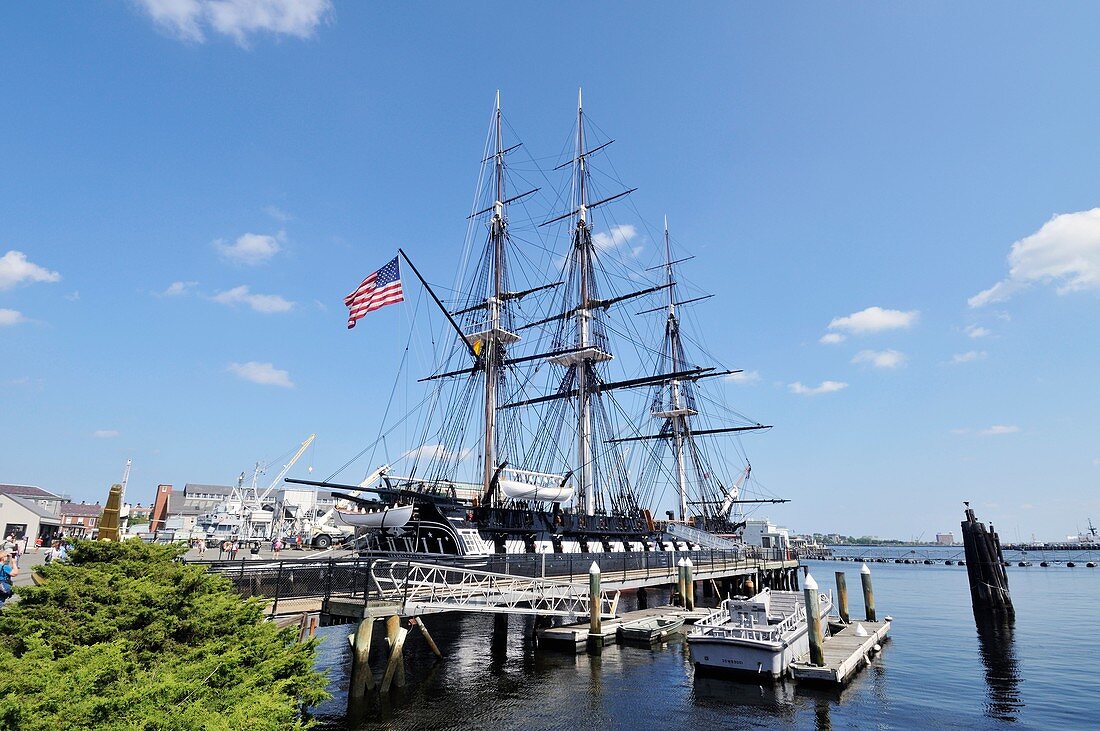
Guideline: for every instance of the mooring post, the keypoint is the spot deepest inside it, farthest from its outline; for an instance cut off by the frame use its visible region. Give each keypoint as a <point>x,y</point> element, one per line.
<point>680,582</point>
<point>750,586</point>
<point>842,597</point>
<point>395,668</point>
<point>419,622</point>
<point>643,598</point>
<point>868,592</point>
<point>594,599</point>
<point>362,679</point>
<point>813,619</point>
<point>689,585</point>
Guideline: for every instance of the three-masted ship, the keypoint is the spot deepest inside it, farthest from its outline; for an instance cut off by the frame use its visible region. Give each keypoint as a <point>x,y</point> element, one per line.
<point>526,391</point>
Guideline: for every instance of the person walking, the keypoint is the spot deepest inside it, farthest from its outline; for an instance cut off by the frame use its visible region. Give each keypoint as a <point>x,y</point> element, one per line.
<point>8,571</point>
<point>37,543</point>
<point>233,550</point>
<point>277,547</point>
<point>202,547</point>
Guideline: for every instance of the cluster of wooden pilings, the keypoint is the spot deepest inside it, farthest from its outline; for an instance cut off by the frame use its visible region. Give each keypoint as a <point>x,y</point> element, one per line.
<point>362,676</point>
<point>985,567</point>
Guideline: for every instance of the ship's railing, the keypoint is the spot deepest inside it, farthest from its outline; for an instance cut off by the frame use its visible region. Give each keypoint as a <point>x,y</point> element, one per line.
<point>769,632</point>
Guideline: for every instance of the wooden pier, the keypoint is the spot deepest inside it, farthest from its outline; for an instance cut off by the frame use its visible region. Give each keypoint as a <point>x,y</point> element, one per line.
<point>845,653</point>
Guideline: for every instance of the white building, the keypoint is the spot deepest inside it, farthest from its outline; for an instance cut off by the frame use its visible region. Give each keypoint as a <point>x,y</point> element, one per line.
<point>765,534</point>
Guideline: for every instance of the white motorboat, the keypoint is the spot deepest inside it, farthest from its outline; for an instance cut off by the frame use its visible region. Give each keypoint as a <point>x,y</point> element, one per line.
<point>391,516</point>
<point>761,635</point>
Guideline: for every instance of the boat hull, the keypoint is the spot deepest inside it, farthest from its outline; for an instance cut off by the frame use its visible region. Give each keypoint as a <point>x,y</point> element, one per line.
<point>769,659</point>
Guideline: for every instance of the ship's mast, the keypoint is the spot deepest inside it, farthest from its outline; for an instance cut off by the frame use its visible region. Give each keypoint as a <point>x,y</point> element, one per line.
<point>583,237</point>
<point>677,415</point>
<point>490,347</point>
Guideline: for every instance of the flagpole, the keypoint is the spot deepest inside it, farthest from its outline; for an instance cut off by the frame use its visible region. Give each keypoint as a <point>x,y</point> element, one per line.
<point>461,335</point>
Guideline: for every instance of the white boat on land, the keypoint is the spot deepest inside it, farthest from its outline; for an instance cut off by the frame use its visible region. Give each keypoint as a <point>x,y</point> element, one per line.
<point>761,635</point>
<point>651,629</point>
<point>391,516</point>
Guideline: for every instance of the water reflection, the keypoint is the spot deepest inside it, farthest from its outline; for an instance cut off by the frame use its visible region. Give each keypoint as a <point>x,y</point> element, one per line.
<point>722,692</point>
<point>997,647</point>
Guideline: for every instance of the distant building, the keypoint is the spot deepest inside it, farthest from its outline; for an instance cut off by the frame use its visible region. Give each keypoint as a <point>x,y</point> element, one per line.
<point>27,511</point>
<point>945,539</point>
<point>159,513</point>
<point>80,520</point>
<point>765,534</point>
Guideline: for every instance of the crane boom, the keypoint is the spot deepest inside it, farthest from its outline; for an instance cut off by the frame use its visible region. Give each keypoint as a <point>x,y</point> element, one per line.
<point>287,466</point>
<point>125,479</point>
<point>734,491</point>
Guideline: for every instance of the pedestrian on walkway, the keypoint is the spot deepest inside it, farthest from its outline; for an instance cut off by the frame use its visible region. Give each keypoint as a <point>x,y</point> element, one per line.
<point>8,572</point>
<point>233,548</point>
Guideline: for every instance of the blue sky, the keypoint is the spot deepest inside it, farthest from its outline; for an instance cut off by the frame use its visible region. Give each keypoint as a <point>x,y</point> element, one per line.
<point>188,189</point>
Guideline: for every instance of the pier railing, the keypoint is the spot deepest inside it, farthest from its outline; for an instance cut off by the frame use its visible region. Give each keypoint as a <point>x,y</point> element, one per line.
<point>282,582</point>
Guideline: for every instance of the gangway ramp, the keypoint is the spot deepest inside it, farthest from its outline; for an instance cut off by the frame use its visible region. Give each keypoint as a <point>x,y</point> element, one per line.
<point>423,588</point>
<point>701,537</point>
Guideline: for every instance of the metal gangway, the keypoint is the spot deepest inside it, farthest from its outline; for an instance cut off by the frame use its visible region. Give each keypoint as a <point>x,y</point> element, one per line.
<point>701,537</point>
<point>423,588</point>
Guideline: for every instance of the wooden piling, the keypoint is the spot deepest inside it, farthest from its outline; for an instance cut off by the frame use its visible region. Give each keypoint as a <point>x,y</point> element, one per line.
<point>643,598</point>
<point>868,592</point>
<point>813,619</point>
<point>680,588</point>
<point>395,668</point>
<point>594,599</point>
<point>842,597</point>
<point>362,679</point>
<point>419,622</point>
<point>689,585</point>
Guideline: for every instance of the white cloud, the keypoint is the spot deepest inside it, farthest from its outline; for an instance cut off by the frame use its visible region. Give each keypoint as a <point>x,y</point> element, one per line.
<point>874,319</point>
<point>614,237</point>
<point>976,331</point>
<point>105,433</point>
<point>880,358</point>
<point>73,296</point>
<point>190,20</point>
<point>11,317</point>
<point>831,338</point>
<point>15,269</point>
<point>744,378</point>
<point>265,303</point>
<point>998,429</point>
<point>1066,251</point>
<point>969,356</point>
<point>825,387</point>
<point>250,249</point>
<point>264,374</point>
<point>175,289</point>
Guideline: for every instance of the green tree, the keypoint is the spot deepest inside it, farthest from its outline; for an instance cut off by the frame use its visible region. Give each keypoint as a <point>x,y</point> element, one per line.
<point>124,636</point>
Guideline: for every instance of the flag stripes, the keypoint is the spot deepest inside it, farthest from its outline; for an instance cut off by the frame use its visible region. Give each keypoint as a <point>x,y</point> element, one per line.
<point>381,288</point>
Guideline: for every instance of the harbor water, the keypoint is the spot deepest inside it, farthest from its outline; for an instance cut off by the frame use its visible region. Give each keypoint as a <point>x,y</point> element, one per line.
<point>938,670</point>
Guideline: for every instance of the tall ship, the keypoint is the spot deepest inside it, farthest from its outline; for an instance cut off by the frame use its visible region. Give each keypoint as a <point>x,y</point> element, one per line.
<point>536,436</point>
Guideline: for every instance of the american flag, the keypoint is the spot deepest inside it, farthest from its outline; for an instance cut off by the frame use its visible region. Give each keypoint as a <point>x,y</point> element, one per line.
<point>378,290</point>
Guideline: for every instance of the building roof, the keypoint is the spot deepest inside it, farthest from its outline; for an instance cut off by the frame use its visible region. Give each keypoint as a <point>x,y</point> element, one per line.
<point>29,491</point>
<point>44,515</point>
<point>192,488</point>
<point>81,509</point>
